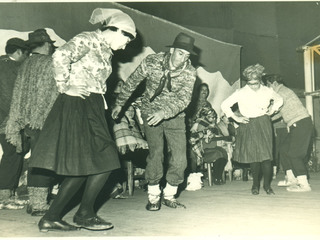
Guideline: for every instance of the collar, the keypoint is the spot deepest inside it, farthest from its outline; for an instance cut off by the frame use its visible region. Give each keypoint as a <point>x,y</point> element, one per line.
<point>276,89</point>
<point>166,64</point>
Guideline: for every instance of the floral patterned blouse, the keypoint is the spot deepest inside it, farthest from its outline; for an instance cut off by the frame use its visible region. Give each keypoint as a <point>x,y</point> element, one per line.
<point>84,60</point>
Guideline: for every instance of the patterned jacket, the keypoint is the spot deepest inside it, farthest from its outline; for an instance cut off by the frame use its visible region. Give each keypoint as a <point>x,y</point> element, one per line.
<point>84,60</point>
<point>172,103</point>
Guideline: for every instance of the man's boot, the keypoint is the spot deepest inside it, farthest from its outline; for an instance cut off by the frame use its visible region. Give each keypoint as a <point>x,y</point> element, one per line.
<point>169,199</point>
<point>154,201</point>
<point>38,201</point>
<point>7,202</point>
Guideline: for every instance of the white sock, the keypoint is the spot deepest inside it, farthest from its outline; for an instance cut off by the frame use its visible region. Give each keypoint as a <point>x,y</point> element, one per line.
<point>154,193</point>
<point>169,191</point>
<point>290,175</point>
<point>303,180</point>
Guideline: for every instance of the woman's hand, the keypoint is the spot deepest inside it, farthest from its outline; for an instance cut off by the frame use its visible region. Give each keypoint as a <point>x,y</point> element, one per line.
<point>78,91</point>
<point>240,119</point>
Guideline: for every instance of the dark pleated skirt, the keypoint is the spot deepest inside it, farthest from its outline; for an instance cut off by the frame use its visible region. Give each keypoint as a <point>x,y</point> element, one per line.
<point>75,138</point>
<point>254,141</point>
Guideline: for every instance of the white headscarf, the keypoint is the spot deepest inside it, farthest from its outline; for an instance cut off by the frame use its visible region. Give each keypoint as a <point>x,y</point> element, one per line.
<point>113,18</point>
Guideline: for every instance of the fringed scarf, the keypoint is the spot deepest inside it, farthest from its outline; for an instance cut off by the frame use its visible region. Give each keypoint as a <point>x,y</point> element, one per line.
<point>33,97</point>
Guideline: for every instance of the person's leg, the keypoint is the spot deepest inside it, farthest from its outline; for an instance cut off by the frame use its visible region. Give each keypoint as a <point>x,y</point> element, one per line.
<point>93,187</point>
<point>10,170</point>
<point>154,167</point>
<point>39,181</point>
<point>52,220</point>
<point>255,171</point>
<point>301,135</point>
<point>267,176</point>
<point>86,216</point>
<point>218,169</point>
<point>176,138</point>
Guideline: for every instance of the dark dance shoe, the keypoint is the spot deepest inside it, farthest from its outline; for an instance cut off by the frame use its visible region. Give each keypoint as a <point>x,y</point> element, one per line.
<point>255,191</point>
<point>269,191</point>
<point>47,225</point>
<point>93,223</point>
<point>153,206</point>
<point>173,203</point>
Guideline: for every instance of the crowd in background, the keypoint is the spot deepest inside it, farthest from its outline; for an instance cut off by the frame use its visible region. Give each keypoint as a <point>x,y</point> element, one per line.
<point>53,105</point>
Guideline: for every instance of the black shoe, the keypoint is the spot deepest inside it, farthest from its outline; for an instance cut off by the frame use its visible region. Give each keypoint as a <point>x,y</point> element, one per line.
<point>153,206</point>
<point>269,191</point>
<point>173,203</point>
<point>47,225</point>
<point>255,191</point>
<point>93,223</point>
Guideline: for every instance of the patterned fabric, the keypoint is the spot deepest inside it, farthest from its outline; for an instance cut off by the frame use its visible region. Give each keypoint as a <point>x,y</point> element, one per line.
<point>84,60</point>
<point>202,133</point>
<point>33,97</point>
<point>8,74</point>
<point>127,133</point>
<point>172,102</point>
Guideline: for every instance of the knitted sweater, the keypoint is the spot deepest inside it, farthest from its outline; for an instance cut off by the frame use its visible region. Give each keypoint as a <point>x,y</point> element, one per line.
<point>33,97</point>
<point>293,109</point>
<point>172,103</point>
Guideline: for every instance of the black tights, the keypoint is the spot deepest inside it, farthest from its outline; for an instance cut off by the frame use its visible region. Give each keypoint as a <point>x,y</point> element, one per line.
<point>69,187</point>
<point>266,168</point>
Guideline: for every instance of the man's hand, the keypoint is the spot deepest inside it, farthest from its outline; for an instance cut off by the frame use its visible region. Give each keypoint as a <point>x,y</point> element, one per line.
<point>155,118</point>
<point>78,91</point>
<point>115,111</point>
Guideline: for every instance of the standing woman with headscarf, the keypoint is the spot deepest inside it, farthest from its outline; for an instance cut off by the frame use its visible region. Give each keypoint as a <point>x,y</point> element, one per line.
<point>75,141</point>
<point>253,143</point>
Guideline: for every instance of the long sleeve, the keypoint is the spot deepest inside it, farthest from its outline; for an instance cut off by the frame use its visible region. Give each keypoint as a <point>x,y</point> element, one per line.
<point>229,102</point>
<point>131,84</point>
<point>64,56</point>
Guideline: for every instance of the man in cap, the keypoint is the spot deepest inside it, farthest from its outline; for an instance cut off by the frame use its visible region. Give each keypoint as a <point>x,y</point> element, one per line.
<point>34,94</point>
<point>170,78</point>
<point>11,163</point>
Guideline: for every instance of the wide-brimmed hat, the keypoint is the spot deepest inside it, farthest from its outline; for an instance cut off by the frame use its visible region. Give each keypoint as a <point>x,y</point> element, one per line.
<point>18,42</point>
<point>185,42</point>
<point>111,17</point>
<point>39,36</point>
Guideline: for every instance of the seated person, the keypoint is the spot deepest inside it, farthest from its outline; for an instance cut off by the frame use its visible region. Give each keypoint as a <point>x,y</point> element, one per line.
<point>129,137</point>
<point>207,139</point>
